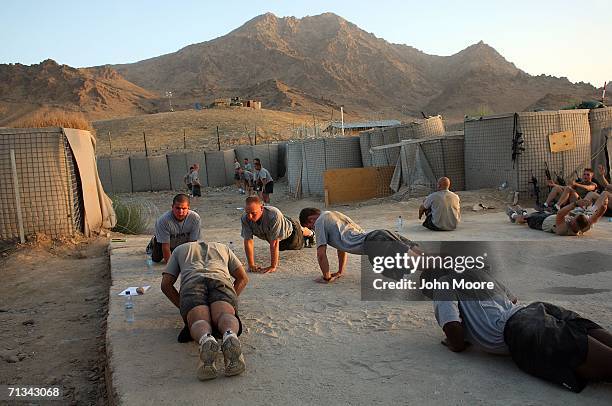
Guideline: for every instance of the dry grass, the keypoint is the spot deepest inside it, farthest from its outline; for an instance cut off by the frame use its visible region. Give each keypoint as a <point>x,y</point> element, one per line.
<point>55,118</point>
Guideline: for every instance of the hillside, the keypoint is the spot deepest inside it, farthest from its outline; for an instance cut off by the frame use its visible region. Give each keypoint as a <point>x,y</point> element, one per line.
<point>325,57</point>
<point>97,92</point>
<point>164,131</point>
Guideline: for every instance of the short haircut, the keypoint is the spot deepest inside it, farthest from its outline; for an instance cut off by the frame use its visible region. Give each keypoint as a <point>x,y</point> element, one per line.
<point>589,170</point>
<point>257,160</point>
<point>582,221</point>
<point>307,212</point>
<point>180,198</point>
<point>253,199</point>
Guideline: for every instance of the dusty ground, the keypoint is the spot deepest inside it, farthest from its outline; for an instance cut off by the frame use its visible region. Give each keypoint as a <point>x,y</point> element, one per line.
<point>53,307</point>
<point>307,343</point>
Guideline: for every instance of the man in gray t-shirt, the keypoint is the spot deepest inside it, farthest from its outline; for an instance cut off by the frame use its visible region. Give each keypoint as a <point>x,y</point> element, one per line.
<point>269,224</point>
<point>175,227</point>
<point>208,301</point>
<point>263,181</point>
<point>442,208</point>
<point>339,231</point>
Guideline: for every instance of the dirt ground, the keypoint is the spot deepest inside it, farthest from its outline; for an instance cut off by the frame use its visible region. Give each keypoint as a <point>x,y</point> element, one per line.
<point>53,311</point>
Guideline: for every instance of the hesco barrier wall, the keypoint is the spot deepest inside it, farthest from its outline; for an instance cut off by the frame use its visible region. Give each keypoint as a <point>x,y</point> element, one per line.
<point>600,121</point>
<point>423,162</point>
<point>307,160</point>
<point>430,127</point>
<point>489,148</point>
<point>49,185</point>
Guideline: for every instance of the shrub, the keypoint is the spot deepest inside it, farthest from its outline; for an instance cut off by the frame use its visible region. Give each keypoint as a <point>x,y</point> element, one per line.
<point>55,118</point>
<point>132,217</point>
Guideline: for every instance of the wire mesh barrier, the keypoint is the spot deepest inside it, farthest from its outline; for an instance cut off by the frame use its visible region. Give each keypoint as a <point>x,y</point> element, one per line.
<point>600,121</point>
<point>423,162</point>
<point>307,160</point>
<point>514,148</point>
<point>426,128</point>
<point>39,184</point>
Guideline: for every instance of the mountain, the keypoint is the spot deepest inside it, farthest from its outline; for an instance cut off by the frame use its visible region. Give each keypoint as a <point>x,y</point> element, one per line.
<point>328,58</point>
<point>98,92</point>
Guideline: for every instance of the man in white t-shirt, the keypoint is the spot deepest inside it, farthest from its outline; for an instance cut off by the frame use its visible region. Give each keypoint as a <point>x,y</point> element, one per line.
<point>441,208</point>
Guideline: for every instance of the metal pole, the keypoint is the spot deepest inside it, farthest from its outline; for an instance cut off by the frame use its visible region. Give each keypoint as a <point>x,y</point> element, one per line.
<point>218,139</point>
<point>342,119</point>
<point>17,197</point>
<point>144,136</point>
<point>110,143</point>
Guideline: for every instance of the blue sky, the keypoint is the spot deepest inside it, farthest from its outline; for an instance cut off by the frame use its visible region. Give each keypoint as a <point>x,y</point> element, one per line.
<point>560,38</point>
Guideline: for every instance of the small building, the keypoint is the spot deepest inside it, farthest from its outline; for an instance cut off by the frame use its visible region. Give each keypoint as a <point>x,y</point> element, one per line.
<point>335,128</point>
<point>254,104</point>
<point>220,103</point>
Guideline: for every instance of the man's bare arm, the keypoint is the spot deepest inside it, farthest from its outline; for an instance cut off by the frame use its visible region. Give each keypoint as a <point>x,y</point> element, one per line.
<point>588,188</point>
<point>249,252</point>
<point>323,262</point>
<point>560,219</point>
<point>455,336</point>
<point>602,206</point>
<point>342,258</point>
<point>167,286</point>
<point>421,211</point>
<point>241,279</point>
<point>274,256</point>
<point>166,251</point>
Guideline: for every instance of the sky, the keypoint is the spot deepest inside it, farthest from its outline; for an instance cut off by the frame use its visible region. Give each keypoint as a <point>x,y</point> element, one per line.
<point>559,38</point>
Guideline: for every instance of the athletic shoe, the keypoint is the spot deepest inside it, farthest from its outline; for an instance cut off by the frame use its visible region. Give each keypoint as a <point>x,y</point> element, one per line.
<point>209,348</point>
<point>510,212</point>
<point>520,211</point>
<point>232,353</point>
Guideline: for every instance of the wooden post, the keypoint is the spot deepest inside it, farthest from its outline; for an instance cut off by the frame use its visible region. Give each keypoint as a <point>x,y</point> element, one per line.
<point>110,143</point>
<point>218,139</point>
<point>255,135</point>
<point>144,136</point>
<point>184,141</point>
<point>17,197</point>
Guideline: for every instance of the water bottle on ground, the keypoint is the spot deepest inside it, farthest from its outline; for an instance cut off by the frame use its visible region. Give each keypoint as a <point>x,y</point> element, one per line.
<point>399,225</point>
<point>149,262</point>
<point>129,308</point>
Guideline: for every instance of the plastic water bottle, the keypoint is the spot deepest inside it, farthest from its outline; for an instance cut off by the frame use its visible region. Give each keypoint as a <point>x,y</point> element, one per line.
<point>149,262</point>
<point>399,225</point>
<point>129,308</point>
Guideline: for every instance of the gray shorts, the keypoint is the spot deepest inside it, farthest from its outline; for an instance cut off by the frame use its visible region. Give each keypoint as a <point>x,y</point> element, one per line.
<point>203,291</point>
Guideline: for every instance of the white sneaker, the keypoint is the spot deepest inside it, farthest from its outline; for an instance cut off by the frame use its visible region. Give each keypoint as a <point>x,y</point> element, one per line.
<point>232,353</point>
<point>209,348</point>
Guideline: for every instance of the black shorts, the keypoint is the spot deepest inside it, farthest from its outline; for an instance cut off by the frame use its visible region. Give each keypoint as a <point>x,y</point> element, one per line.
<point>196,190</point>
<point>236,176</point>
<point>268,188</point>
<point>295,241</point>
<point>156,250</point>
<point>189,186</point>
<point>549,342</point>
<point>428,223</point>
<point>535,220</point>
<point>203,291</point>
<point>387,243</point>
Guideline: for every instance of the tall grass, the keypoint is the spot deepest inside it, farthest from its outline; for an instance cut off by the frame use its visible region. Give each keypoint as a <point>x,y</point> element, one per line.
<point>55,118</point>
<point>480,111</point>
<point>132,217</point>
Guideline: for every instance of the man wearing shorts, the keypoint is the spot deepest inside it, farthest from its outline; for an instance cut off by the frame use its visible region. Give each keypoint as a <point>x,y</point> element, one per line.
<point>575,218</point>
<point>269,224</point>
<point>442,209</point>
<point>208,302</point>
<point>194,178</point>
<point>175,227</point>
<point>543,339</point>
<point>577,190</point>
<point>263,180</point>
<point>340,232</point>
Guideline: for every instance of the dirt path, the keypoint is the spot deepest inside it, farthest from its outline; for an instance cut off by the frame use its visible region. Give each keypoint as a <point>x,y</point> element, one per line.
<point>53,308</point>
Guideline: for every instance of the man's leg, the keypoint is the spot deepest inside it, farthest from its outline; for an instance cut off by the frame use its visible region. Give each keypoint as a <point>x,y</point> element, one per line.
<point>598,364</point>
<point>555,192</point>
<point>224,317</point>
<point>198,319</point>
<point>569,195</point>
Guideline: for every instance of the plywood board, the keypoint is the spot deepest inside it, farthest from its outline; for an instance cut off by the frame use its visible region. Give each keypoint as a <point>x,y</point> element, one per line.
<point>562,141</point>
<point>356,184</point>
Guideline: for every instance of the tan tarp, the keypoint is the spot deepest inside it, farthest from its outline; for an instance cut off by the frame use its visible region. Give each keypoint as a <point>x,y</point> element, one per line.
<point>97,205</point>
